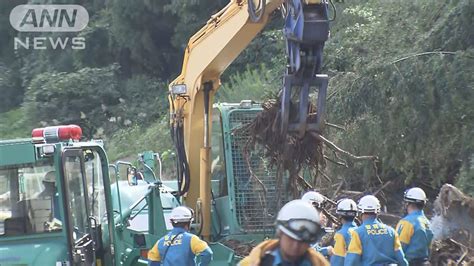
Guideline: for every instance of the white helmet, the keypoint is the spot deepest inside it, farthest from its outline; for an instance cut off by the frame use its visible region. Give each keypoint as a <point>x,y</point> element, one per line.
<point>415,195</point>
<point>300,221</point>
<point>315,198</point>
<point>346,207</point>
<point>50,177</point>
<point>369,204</point>
<point>181,214</point>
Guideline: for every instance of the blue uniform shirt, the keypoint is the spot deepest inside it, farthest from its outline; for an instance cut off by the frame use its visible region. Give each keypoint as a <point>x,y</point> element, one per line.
<point>341,243</point>
<point>182,251</point>
<point>415,235</point>
<point>374,243</point>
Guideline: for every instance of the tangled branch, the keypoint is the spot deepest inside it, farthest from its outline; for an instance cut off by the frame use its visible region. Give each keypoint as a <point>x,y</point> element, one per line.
<point>291,154</point>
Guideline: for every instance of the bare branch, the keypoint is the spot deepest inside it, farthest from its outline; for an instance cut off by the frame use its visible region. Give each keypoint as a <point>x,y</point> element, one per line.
<point>381,188</point>
<point>335,126</point>
<point>338,189</point>
<point>421,54</point>
<point>335,147</point>
<point>325,176</point>
<point>336,162</point>
<point>305,183</point>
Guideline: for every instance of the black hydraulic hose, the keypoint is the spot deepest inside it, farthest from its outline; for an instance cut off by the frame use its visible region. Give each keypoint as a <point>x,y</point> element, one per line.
<point>182,165</point>
<point>186,171</point>
<point>207,90</point>
<point>201,218</point>
<point>334,9</point>
<point>175,143</point>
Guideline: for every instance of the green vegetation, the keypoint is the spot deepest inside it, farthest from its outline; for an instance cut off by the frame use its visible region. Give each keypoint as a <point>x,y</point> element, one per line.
<point>403,89</point>
<point>13,124</point>
<point>402,82</point>
<point>135,139</point>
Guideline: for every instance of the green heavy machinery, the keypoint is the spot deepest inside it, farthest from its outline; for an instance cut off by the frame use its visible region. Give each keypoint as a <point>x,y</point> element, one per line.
<point>113,214</point>
<point>87,215</point>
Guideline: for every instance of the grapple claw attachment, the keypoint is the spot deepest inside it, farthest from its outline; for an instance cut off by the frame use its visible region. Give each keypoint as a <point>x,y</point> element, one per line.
<point>306,30</point>
<point>295,115</point>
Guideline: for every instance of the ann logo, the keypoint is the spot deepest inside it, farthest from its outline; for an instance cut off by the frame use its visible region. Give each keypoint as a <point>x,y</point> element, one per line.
<point>49,18</point>
<point>54,20</point>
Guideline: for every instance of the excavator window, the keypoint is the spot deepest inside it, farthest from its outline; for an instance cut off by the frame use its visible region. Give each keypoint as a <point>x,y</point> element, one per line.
<point>29,200</point>
<point>76,193</point>
<point>218,165</point>
<point>95,184</point>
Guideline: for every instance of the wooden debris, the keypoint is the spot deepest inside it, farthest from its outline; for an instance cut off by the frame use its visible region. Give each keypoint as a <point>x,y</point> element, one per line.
<point>241,249</point>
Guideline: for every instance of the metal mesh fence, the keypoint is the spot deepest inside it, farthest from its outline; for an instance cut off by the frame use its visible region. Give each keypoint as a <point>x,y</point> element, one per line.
<point>256,210</point>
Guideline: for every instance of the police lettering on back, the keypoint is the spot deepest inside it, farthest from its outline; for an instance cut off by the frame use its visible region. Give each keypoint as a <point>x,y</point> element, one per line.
<point>177,240</point>
<point>179,247</point>
<point>376,229</point>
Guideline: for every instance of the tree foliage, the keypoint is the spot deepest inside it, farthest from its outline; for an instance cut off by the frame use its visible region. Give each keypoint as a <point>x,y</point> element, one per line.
<point>399,98</point>
<point>74,97</point>
<point>95,98</point>
<point>10,86</point>
<point>401,81</point>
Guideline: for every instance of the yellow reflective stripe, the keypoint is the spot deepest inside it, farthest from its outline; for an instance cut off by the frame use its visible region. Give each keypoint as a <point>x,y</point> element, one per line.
<point>355,246</point>
<point>405,230</point>
<point>197,245</point>
<point>309,2</point>
<point>244,262</point>
<point>339,245</point>
<point>154,254</point>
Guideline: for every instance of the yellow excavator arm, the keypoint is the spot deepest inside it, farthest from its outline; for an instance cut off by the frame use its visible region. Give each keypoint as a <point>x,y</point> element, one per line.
<point>208,53</point>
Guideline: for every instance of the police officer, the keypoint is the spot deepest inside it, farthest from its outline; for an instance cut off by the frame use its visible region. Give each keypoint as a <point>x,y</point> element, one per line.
<point>297,226</point>
<point>49,183</point>
<point>317,200</point>
<point>50,192</point>
<point>373,242</point>
<point>414,230</point>
<point>179,247</point>
<point>347,211</point>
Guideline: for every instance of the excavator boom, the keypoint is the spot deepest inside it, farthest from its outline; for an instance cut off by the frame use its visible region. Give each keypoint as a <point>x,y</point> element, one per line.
<point>210,51</point>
